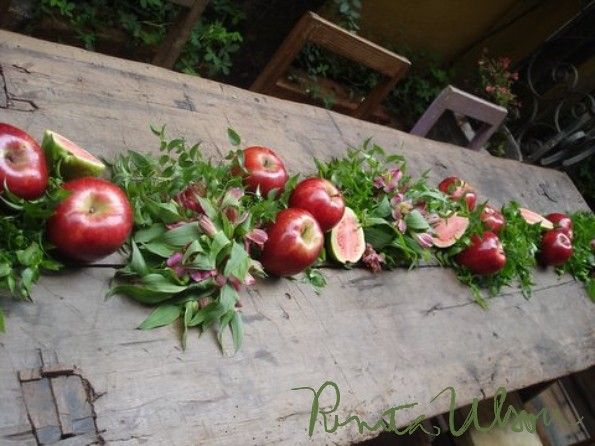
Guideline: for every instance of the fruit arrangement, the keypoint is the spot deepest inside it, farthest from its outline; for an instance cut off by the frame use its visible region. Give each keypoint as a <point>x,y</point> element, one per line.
<point>196,232</point>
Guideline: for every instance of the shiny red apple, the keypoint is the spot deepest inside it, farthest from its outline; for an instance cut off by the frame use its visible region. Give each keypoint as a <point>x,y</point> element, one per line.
<point>561,221</point>
<point>556,247</point>
<point>264,170</point>
<point>92,222</point>
<point>321,198</point>
<point>492,219</point>
<point>294,243</point>
<point>484,256</point>
<point>22,163</point>
<point>457,189</point>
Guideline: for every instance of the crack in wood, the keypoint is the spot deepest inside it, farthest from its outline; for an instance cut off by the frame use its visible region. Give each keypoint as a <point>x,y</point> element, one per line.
<point>8,101</point>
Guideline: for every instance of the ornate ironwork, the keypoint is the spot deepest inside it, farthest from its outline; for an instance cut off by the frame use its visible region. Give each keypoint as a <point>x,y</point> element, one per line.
<point>556,126</point>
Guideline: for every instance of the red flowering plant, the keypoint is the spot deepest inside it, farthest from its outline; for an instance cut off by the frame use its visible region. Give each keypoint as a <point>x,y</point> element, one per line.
<point>497,79</point>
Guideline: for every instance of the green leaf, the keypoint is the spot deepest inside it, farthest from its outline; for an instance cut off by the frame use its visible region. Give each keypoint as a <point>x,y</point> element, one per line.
<point>208,315</point>
<point>379,236</point>
<point>139,293</point>
<point>207,207</point>
<point>237,330</point>
<point>416,221</point>
<point>234,138</point>
<point>219,242</point>
<point>162,315</point>
<point>238,262</point>
<point>194,248</point>
<point>229,297</point>
<point>159,283</point>
<point>137,262</point>
<point>2,326</point>
<point>166,212</point>
<point>30,256</point>
<point>5,269</point>
<point>182,235</point>
<point>150,233</point>
<point>223,323</point>
<point>160,249</point>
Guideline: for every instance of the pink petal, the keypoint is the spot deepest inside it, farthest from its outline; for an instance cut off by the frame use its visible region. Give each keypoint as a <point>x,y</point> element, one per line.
<point>174,259</point>
<point>257,236</point>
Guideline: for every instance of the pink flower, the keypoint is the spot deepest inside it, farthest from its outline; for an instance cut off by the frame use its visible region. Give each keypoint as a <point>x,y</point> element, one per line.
<point>424,239</point>
<point>175,225</point>
<point>188,198</point>
<point>200,275</point>
<point>204,301</point>
<point>220,280</point>
<point>514,76</point>
<point>207,226</point>
<point>372,259</point>
<point>389,180</point>
<point>175,259</point>
<point>490,89</point>
<point>175,262</point>
<point>401,226</point>
<point>396,199</point>
<point>505,62</point>
<point>257,236</point>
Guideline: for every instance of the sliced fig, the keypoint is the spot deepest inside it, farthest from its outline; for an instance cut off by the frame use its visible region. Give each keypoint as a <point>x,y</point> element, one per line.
<point>448,230</point>
<point>533,218</point>
<point>72,160</point>
<point>346,243</point>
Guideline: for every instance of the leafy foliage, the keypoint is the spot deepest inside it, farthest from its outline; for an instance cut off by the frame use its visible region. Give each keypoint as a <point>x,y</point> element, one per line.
<point>207,52</point>
<point>581,265</point>
<point>24,253</point>
<point>191,264</point>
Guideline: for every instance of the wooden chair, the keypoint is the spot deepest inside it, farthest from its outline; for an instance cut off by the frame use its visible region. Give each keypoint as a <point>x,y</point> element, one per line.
<point>179,32</point>
<point>314,29</point>
<point>490,115</point>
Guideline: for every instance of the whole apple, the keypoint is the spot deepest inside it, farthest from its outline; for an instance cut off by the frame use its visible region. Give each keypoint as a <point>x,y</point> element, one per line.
<point>484,256</point>
<point>456,189</point>
<point>264,170</point>
<point>294,243</point>
<point>322,199</point>
<point>92,222</point>
<point>22,163</point>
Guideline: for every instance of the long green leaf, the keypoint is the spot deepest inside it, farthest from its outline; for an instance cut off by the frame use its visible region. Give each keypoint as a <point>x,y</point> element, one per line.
<point>161,316</point>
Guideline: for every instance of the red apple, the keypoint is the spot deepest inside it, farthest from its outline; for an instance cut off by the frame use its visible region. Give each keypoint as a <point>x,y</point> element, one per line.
<point>321,198</point>
<point>492,219</point>
<point>556,247</point>
<point>561,221</point>
<point>456,189</point>
<point>22,163</point>
<point>484,256</point>
<point>92,222</point>
<point>294,243</point>
<point>264,170</point>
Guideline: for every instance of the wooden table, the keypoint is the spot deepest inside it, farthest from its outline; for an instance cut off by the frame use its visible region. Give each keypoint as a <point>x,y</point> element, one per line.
<point>385,339</point>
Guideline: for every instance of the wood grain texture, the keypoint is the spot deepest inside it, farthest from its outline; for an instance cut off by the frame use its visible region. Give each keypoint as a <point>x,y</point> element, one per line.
<point>387,339</point>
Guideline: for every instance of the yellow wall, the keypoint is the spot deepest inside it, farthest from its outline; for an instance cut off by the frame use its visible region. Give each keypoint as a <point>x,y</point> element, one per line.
<point>451,28</point>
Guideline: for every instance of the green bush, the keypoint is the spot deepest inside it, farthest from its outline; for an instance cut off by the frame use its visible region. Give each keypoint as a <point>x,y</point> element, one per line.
<point>207,52</point>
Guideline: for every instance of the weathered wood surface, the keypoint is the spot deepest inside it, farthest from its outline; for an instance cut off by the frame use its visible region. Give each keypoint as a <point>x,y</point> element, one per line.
<point>385,339</point>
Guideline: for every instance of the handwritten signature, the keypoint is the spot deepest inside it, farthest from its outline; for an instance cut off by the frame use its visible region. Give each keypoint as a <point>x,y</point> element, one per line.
<point>518,420</point>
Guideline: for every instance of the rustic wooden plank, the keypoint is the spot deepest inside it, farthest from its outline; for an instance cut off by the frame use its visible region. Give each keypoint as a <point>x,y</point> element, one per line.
<point>374,335</point>
<point>296,338</point>
<point>124,97</point>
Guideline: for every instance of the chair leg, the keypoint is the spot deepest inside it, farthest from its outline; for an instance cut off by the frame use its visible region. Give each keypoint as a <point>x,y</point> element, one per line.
<point>178,35</point>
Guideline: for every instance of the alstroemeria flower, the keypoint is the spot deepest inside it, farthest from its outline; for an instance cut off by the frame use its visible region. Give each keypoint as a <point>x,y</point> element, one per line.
<point>207,226</point>
<point>400,209</point>
<point>372,259</point>
<point>389,180</point>
<point>175,262</point>
<point>200,275</point>
<point>257,236</point>
<point>175,225</point>
<point>424,239</point>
